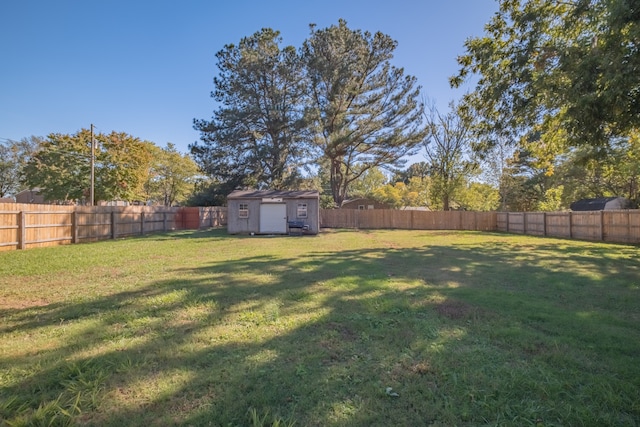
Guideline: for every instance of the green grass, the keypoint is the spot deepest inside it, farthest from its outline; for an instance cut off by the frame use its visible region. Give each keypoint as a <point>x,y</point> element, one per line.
<point>369,328</point>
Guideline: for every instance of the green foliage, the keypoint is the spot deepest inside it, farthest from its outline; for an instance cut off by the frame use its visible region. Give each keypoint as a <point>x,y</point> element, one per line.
<point>552,200</point>
<point>61,167</point>
<point>257,137</point>
<point>9,182</point>
<point>123,163</point>
<point>448,149</point>
<point>554,182</point>
<point>172,177</point>
<point>210,193</point>
<point>545,64</point>
<point>524,183</point>
<point>391,194</point>
<point>420,170</point>
<point>367,183</point>
<point>339,103</point>
<point>363,110</point>
<point>478,196</point>
<point>14,155</point>
<point>415,193</point>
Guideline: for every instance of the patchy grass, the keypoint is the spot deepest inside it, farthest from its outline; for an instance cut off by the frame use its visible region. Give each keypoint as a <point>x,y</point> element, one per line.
<point>347,328</point>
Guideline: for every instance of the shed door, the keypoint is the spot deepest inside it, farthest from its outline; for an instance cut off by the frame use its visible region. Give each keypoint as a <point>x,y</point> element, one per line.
<point>273,218</point>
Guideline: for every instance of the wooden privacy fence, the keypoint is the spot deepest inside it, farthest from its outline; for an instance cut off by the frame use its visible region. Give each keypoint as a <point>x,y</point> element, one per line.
<point>621,226</point>
<point>608,226</point>
<point>408,220</point>
<point>212,216</point>
<point>192,218</point>
<point>29,225</point>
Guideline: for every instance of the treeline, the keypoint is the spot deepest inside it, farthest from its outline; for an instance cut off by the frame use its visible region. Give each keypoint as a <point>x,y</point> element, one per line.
<point>125,168</point>
<point>553,118</point>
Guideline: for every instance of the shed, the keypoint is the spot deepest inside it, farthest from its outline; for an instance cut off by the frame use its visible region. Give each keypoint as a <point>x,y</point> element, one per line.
<point>601,204</point>
<point>364,204</point>
<point>273,211</point>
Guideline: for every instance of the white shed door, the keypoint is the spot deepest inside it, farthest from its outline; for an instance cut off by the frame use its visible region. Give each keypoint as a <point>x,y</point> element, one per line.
<point>273,218</point>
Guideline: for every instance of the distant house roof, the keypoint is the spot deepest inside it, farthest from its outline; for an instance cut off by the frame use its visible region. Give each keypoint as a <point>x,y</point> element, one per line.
<point>365,202</point>
<point>30,196</point>
<point>601,204</point>
<point>260,194</point>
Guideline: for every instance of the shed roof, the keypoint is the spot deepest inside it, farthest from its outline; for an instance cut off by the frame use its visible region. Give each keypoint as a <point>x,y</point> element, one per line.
<point>600,204</point>
<point>259,194</point>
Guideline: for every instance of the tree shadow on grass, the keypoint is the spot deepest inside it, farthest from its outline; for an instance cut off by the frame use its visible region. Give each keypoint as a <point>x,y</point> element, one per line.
<point>464,334</point>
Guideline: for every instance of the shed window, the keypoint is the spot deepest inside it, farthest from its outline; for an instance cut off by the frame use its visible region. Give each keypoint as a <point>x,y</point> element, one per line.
<point>302,210</point>
<point>243,210</point>
<point>361,207</point>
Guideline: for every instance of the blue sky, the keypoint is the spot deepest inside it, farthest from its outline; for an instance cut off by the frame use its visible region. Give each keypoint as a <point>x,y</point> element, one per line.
<point>146,67</point>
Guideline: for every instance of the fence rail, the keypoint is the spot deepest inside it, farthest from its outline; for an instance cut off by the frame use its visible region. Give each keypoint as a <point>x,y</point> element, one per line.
<point>25,226</point>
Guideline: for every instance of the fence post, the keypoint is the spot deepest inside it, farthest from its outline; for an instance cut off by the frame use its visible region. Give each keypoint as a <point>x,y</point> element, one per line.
<point>544,224</point>
<point>524,223</point>
<point>507,222</point>
<point>74,227</point>
<point>164,221</point>
<point>142,223</point>
<point>22,230</point>
<point>570,226</point>
<point>114,225</point>
<point>602,226</point>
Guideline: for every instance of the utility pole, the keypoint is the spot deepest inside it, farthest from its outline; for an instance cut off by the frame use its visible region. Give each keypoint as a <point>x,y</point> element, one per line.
<point>93,167</point>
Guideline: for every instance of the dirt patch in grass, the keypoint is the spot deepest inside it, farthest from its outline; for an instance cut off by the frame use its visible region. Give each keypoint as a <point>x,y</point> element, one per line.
<point>455,310</point>
<point>7,303</point>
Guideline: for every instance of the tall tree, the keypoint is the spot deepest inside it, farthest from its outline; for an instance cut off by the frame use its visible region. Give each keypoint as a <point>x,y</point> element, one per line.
<point>363,110</point>
<point>61,168</point>
<point>257,136</point>
<point>448,150</point>
<point>550,64</point>
<point>123,163</point>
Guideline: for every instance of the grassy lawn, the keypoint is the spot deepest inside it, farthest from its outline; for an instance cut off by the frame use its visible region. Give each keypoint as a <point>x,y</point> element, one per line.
<point>369,328</point>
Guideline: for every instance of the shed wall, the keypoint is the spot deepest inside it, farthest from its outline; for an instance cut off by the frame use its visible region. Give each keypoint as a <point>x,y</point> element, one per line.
<point>237,225</point>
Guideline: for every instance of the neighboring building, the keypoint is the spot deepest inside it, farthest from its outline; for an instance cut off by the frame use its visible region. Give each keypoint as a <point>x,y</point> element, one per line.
<point>364,204</point>
<point>601,204</point>
<point>7,200</point>
<point>30,196</point>
<point>271,211</point>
